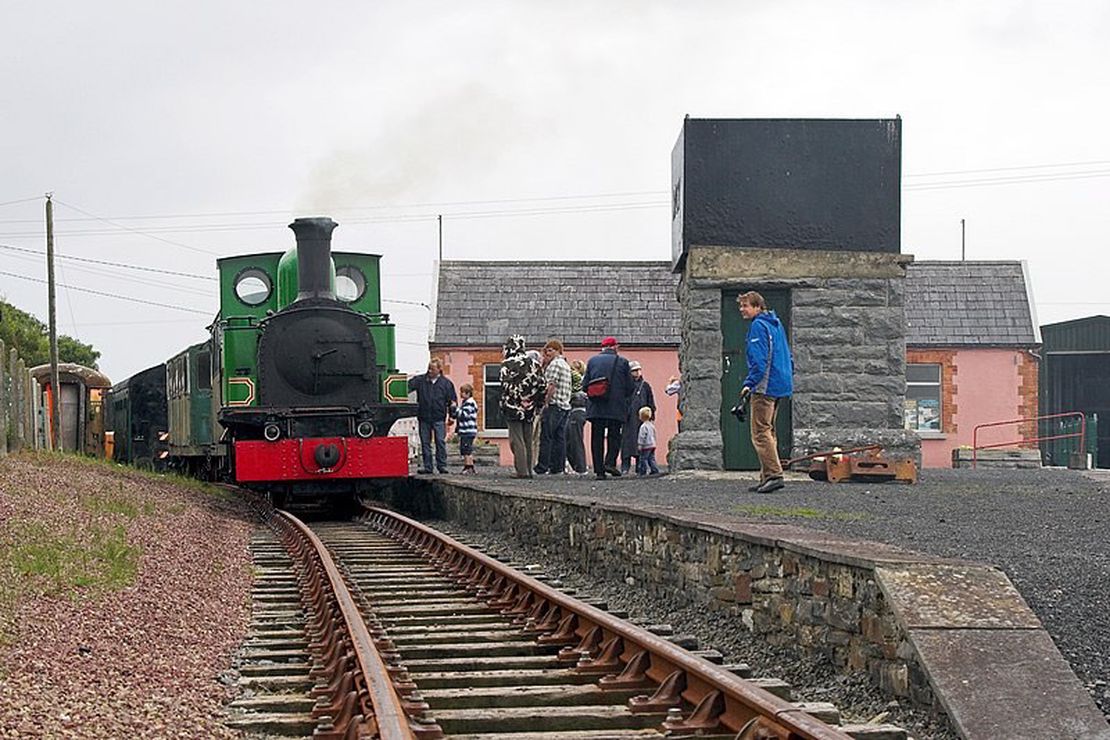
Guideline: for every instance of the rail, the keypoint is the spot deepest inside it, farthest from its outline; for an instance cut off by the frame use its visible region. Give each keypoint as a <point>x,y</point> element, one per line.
<point>1081,434</point>
<point>625,656</point>
<point>388,718</point>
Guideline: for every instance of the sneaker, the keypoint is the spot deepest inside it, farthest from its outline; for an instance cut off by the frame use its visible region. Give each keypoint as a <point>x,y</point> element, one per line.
<point>444,471</point>
<point>601,476</point>
<point>613,471</point>
<point>422,471</point>
<point>539,471</point>
<point>753,489</point>
<point>770,485</point>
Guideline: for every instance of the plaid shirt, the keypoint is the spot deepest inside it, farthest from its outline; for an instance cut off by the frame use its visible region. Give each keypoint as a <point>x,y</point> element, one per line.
<point>558,372</point>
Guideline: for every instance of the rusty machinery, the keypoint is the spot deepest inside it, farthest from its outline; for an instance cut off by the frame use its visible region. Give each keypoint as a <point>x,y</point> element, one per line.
<point>865,463</point>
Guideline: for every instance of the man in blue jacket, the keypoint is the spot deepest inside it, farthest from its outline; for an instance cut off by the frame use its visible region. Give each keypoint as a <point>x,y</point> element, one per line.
<point>770,379</point>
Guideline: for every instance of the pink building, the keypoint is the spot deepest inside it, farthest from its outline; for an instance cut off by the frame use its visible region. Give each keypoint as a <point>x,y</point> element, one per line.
<point>971,337</point>
<point>478,305</point>
<point>971,342</point>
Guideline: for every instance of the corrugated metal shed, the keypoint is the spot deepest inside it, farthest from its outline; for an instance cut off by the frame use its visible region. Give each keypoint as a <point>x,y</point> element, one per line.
<point>1089,334</point>
<point>972,303</point>
<point>482,303</point>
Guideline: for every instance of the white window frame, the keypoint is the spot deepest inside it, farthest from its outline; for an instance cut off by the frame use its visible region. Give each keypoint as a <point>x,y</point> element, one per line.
<point>938,384</point>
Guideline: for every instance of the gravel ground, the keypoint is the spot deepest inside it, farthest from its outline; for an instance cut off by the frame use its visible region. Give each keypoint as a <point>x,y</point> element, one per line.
<point>79,655</point>
<point>1046,528</point>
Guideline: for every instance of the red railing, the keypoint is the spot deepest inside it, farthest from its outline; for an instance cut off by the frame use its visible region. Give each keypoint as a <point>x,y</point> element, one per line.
<point>1081,434</point>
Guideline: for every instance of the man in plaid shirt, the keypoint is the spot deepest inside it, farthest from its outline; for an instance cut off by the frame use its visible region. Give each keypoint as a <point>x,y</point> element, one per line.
<point>553,429</point>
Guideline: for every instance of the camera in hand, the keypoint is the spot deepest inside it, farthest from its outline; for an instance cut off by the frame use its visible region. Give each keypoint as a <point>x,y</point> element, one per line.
<point>740,410</point>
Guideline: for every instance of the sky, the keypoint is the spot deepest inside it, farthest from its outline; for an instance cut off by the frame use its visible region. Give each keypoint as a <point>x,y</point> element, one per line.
<point>174,133</point>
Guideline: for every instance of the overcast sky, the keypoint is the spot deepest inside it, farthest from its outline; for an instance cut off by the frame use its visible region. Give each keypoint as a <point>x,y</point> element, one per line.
<point>172,133</point>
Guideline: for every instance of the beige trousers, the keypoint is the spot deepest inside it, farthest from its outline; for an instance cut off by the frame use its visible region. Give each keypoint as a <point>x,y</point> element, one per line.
<point>521,444</point>
<point>763,409</point>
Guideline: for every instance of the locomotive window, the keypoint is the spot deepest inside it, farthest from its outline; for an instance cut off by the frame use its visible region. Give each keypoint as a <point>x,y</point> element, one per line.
<point>252,286</point>
<point>350,284</point>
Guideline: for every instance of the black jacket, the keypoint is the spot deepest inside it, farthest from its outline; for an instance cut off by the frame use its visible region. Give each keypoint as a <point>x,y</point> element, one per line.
<point>615,405</point>
<point>433,400</point>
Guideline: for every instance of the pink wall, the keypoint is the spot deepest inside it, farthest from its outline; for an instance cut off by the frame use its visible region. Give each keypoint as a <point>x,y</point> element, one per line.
<point>658,366</point>
<point>987,388</point>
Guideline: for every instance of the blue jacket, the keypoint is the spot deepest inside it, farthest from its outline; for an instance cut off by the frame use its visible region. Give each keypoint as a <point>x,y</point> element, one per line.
<point>615,406</point>
<point>770,366</point>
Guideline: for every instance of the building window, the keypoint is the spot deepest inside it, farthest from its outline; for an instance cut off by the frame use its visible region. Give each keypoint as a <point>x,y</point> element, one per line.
<point>923,398</point>
<point>491,397</point>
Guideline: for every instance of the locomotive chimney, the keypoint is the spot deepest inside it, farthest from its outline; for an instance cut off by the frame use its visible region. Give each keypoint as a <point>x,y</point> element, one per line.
<point>313,257</point>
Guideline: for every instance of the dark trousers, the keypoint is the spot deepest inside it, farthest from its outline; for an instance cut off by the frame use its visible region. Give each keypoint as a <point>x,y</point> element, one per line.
<point>439,430</point>
<point>576,441</point>
<point>553,440</point>
<point>605,457</point>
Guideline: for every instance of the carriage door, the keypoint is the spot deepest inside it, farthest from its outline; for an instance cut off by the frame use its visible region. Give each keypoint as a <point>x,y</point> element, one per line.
<point>738,451</point>
<point>70,417</point>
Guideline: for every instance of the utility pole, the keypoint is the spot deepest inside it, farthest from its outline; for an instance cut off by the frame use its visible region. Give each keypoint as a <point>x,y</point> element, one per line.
<point>440,219</point>
<point>55,385</point>
<point>963,241</point>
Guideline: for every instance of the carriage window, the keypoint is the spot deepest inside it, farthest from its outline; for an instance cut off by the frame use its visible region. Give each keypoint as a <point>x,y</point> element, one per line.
<point>252,286</point>
<point>350,284</point>
<point>204,371</point>
<point>923,398</point>
<point>491,397</point>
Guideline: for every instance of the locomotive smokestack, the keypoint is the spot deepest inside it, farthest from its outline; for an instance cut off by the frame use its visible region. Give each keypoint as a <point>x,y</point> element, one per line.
<point>314,257</point>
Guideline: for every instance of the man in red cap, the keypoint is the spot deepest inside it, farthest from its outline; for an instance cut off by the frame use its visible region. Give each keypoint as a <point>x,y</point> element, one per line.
<point>608,384</point>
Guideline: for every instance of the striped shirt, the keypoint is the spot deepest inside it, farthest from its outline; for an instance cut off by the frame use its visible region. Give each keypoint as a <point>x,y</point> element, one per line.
<point>558,373</point>
<point>467,418</point>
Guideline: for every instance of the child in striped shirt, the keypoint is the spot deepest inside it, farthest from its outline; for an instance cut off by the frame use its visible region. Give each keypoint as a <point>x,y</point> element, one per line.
<point>466,426</point>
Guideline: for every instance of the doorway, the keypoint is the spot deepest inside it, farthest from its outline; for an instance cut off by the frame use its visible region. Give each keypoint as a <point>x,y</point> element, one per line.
<point>739,454</point>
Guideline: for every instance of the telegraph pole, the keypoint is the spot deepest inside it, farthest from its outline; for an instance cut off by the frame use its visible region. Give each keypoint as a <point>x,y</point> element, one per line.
<point>440,219</point>
<point>963,241</point>
<point>55,385</point>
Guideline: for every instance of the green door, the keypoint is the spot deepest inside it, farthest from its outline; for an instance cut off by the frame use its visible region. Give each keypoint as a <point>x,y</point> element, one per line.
<point>739,453</point>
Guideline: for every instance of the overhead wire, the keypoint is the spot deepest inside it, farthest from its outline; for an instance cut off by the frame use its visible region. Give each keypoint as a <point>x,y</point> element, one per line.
<point>112,264</point>
<point>111,295</point>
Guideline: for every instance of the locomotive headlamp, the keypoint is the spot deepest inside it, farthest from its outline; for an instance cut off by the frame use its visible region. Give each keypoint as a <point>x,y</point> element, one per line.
<point>365,429</point>
<point>271,432</point>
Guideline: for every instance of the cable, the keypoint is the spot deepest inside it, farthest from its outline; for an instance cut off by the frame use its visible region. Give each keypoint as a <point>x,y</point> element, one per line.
<point>1007,169</point>
<point>1007,180</point>
<point>127,278</point>
<point>112,264</point>
<point>110,295</point>
<point>133,231</point>
<point>22,200</point>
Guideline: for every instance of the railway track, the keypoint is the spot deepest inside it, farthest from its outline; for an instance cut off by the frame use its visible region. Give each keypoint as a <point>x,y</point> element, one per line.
<point>413,634</point>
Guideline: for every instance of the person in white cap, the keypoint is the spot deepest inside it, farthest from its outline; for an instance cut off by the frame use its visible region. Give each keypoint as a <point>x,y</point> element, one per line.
<point>642,396</point>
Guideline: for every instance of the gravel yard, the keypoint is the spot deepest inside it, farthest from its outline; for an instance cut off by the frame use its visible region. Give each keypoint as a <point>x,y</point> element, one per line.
<point>123,597</point>
<point>1046,528</point>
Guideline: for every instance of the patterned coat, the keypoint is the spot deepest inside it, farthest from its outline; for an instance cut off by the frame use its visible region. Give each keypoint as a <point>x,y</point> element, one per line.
<point>522,385</point>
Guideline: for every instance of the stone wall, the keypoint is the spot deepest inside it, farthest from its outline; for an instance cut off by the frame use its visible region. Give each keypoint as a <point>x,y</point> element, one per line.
<point>847,333</point>
<point>789,585</point>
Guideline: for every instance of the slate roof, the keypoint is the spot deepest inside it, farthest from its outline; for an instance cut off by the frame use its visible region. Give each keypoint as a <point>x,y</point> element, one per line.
<point>480,303</point>
<point>980,303</point>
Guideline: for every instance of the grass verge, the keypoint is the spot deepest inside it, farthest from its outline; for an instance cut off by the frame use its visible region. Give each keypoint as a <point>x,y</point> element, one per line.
<point>797,512</point>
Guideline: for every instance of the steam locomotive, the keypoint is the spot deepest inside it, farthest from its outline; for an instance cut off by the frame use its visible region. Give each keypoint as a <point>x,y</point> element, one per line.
<point>295,390</point>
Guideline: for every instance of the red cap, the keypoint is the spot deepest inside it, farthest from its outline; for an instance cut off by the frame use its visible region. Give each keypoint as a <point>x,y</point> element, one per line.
<point>609,342</point>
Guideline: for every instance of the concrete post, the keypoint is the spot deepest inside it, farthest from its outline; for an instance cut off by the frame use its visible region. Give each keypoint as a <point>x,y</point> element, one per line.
<point>5,397</point>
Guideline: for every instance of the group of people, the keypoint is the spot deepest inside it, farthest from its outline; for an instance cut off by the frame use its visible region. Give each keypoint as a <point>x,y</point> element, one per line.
<point>546,402</point>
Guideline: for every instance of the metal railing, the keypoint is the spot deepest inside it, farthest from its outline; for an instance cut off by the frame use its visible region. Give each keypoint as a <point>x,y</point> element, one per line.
<point>1081,434</point>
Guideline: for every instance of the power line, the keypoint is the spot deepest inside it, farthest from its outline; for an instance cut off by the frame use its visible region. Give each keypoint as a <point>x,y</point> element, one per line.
<point>1008,169</point>
<point>133,231</point>
<point>21,200</point>
<point>1007,180</point>
<point>117,276</point>
<point>112,264</point>
<point>110,295</point>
